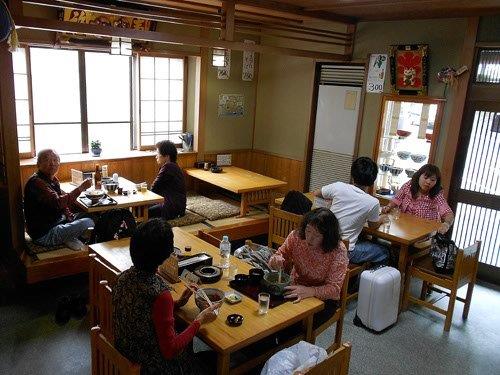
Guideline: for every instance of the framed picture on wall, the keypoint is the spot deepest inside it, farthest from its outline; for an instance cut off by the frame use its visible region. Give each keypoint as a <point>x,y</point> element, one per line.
<point>409,69</point>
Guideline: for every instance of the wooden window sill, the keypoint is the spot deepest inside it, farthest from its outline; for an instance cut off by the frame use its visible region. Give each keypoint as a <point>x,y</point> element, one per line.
<point>71,158</point>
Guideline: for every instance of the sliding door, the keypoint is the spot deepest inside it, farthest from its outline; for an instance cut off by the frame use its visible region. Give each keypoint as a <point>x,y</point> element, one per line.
<point>476,188</point>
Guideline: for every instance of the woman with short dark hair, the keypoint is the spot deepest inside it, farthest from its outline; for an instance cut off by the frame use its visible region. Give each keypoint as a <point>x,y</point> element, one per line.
<point>143,307</point>
<point>422,196</point>
<point>169,183</point>
<point>316,260</point>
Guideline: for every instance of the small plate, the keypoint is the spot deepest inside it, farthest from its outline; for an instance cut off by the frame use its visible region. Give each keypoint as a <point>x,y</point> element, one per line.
<point>234,320</point>
<point>232,297</point>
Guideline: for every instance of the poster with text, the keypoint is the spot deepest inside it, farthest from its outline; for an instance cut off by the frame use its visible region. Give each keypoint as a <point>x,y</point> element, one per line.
<point>376,73</point>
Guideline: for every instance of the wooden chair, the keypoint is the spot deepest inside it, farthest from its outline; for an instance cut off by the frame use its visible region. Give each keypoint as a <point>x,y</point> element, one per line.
<point>281,223</point>
<point>337,317</point>
<point>98,271</point>
<point>105,307</point>
<point>465,272</point>
<point>106,360</point>
<point>337,363</point>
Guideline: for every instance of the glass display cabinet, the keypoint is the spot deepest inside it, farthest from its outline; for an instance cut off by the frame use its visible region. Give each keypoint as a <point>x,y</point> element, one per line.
<point>407,134</point>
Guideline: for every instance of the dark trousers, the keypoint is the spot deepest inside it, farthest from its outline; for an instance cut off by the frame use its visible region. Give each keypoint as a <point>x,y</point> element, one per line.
<point>164,211</point>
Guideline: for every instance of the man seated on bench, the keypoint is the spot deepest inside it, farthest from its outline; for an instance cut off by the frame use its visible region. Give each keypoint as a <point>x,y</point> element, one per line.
<point>353,207</point>
<point>49,219</point>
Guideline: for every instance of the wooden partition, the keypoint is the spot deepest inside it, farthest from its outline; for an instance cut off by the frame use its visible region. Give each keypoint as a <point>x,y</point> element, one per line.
<point>134,168</point>
<point>141,166</point>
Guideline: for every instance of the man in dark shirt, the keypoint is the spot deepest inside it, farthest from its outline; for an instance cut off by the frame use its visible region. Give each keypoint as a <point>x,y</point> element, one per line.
<point>49,220</point>
<point>169,183</point>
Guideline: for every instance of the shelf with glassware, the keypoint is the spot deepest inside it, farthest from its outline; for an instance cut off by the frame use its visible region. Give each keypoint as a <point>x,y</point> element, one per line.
<point>406,139</point>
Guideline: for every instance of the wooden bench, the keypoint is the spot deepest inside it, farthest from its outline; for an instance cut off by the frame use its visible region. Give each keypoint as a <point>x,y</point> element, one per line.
<point>55,264</point>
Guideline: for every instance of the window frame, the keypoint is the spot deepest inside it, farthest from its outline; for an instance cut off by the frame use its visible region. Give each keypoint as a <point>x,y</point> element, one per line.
<point>27,61</point>
<point>134,95</point>
<point>138,90</point>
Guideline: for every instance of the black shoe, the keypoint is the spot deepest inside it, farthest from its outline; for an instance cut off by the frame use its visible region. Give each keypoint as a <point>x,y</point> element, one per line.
<point>78,306</point>
<point>63,312</point>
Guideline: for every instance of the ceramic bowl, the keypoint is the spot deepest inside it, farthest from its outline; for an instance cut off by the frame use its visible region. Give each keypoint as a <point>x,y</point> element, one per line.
<point>403,133</point>
<point>271,284</point>
<point>410,172</point>
<point>256,275</point>
<point>234,320</point>
<point>241,279</point>
<point>384,167</point>
<point>110,186</point>
<point>215,295</point>
<point>404,154</point>
<point>418,158</point>
<point>395,171</point>
<point>94,195</point>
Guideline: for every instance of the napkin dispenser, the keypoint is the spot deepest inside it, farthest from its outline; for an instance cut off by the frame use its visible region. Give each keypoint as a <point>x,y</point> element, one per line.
<point>175,264</point>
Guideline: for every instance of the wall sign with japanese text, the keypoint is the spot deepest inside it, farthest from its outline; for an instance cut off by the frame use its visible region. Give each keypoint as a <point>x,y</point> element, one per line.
<point>376,73</point>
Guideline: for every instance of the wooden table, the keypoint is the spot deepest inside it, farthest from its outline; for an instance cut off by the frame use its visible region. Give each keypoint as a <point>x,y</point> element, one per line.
<point>253,187</point>
<point>223,339</point>
<point>138,202</point>
<point>405,232</point>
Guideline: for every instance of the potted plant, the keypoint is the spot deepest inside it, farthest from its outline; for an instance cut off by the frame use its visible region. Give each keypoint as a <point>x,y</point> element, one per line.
<point>95,147</point>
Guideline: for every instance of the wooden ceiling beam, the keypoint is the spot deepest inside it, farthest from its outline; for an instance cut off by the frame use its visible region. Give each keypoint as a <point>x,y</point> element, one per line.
<point>245,30</point>
<point>185,5</point>
<point>124,11</point>
<point>300,12</point>
<point>292,28</point>
<point>228,16</point>
<point>163,37</point>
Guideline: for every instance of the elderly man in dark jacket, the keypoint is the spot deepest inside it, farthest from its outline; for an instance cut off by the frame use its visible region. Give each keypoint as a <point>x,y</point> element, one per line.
<point>47,209</point>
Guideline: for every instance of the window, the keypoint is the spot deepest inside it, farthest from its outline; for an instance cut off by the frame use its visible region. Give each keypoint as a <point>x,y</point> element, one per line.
<point>108,100</point>
<point>56,100</point>
<point>161,99</point>
<point>66,98</point>
<point>22,101</point>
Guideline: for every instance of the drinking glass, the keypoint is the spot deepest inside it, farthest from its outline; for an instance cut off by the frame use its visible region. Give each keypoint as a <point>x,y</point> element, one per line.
<point>264,303</point>
<point>233,270</point>
<point>396,212</point>
<point>386,226</point>
<point>144,187</point>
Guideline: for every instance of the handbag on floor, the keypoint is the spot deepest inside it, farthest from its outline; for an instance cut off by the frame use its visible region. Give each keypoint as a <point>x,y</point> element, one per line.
<point>443,252</point>
<point>378,298</point>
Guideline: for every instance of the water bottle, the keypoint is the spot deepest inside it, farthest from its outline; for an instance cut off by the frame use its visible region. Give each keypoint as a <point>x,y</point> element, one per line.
<point>225,252</point>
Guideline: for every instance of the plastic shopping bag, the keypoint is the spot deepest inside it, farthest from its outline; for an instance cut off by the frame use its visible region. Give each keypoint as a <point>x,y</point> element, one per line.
<point>298,357</point>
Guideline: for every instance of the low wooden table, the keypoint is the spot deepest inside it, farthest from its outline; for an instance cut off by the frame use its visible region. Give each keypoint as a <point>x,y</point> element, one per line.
<point>138,202</point>
<point>224,339</point>
<point>253,187</point>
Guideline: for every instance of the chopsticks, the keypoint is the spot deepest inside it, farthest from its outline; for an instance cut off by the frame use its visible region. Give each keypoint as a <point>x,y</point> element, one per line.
<point>202,292</point>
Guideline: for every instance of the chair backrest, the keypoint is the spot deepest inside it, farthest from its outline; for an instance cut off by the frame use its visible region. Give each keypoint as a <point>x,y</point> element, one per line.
<point>105,307</point>
<point>337,363</point>
<point>466,264</point>
<point>281,223</point>
<point>98,271</point>
<point>106,360</point>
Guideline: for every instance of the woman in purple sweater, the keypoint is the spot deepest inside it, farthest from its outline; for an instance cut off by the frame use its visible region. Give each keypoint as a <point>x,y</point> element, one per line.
<point>169,183</point>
